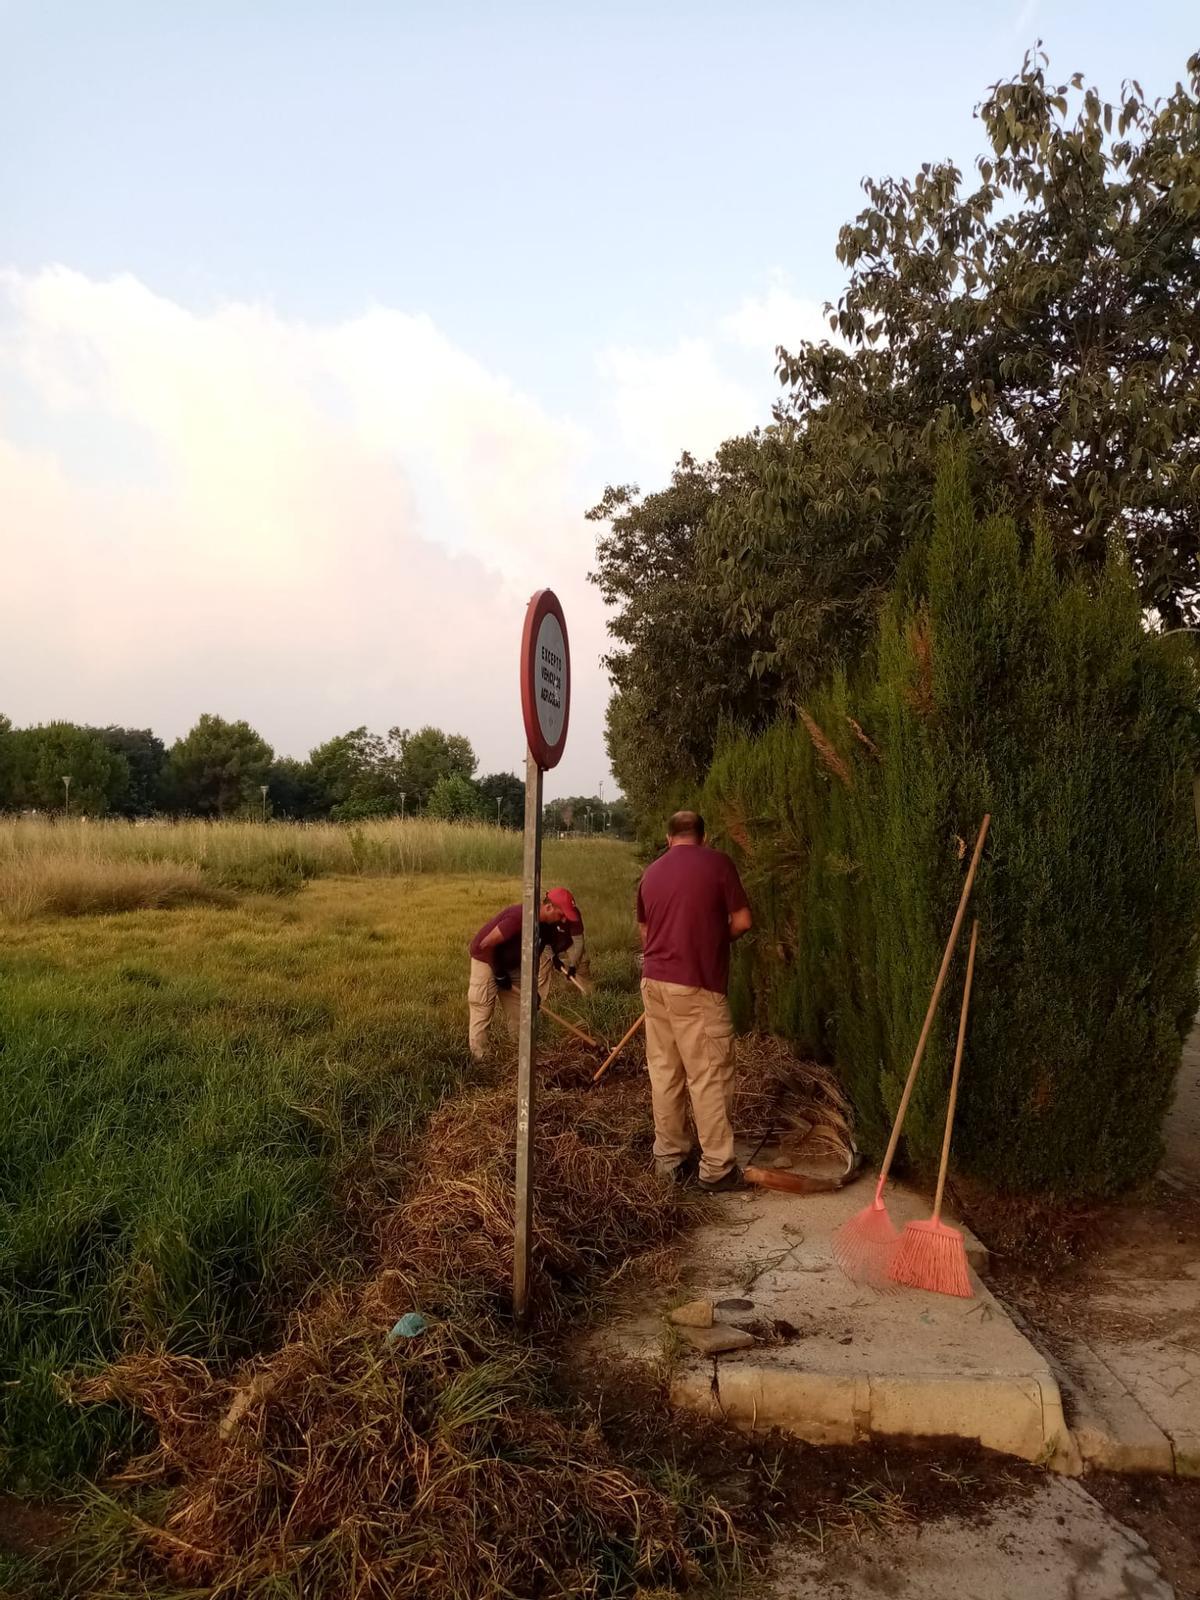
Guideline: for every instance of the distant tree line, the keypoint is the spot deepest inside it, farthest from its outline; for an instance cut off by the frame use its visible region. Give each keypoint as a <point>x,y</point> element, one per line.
<point>220,769</point>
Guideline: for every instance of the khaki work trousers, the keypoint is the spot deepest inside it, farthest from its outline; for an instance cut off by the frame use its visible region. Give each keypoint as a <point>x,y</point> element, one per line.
<point>689,1051</point>
<point>482,995</point>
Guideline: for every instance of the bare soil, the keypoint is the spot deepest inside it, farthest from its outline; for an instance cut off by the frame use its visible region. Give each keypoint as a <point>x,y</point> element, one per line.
<point>776,1486</point>
<point>1166,1512</point>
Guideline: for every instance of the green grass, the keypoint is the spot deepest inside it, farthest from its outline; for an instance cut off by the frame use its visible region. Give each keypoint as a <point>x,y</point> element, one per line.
<point>187,1091</point>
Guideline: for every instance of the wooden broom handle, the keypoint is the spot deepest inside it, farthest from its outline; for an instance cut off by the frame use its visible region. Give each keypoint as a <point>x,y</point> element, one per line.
<point>958,1055</point>
<point>604,1066</point>
<point>933,1004</point>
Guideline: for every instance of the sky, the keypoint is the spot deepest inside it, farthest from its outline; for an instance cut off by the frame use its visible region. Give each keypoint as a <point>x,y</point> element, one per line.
<point>322,324</point>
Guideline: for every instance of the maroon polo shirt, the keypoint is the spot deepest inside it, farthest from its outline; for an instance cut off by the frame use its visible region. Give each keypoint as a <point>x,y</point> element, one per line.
<point>685,901</point>
<point>506,956</point>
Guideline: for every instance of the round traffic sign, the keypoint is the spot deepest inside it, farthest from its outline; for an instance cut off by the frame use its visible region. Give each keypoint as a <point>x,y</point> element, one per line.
<point>546,678</point>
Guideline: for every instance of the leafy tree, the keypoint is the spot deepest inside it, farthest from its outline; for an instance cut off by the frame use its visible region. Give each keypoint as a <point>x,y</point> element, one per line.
<point>506,789</point>
<point>998,685</point>
<point>218,768</point>
<point>1049,311</point>
<point>351,776</point>
<point>455,799</point>
<point>424,757</point>
<point>677,670</point>
<point>293,790</point>
<point>48,753</point>
<point>1053,308</point>
<point>146,756</point>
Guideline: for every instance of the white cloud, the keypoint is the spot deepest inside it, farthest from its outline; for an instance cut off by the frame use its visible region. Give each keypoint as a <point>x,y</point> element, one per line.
<point>341,525</point>
<point>317,525</point>
<point>711,386</point>
<point>671,400</point>
<point>764,322</point>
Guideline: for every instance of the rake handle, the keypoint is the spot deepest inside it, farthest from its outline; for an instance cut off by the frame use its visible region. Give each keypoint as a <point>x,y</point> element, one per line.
<point>958,1055</point>
<point>604,1066</point>
<point>933,1005</point>
<point>571,1028</point>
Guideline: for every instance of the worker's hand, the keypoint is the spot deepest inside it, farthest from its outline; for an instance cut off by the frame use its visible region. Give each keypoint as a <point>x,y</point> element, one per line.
<point>570,972</point>
<point>556,963</point>
<point>503,980</point>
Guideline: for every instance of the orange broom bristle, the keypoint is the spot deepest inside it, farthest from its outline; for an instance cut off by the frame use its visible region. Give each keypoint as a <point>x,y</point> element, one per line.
<point>864,1246</point>
<point>933,1256</point>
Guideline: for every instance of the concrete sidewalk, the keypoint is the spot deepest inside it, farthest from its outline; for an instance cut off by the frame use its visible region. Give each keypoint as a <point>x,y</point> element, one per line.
<point>835,1363</point>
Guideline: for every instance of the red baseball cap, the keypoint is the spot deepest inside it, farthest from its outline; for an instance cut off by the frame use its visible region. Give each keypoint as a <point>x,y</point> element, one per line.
<point>565,901</point>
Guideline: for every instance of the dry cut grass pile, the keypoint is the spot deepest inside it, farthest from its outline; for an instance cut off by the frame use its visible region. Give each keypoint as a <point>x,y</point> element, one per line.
<point>355,1465</point>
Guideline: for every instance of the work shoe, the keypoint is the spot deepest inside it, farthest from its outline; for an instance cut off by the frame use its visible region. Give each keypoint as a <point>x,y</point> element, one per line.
<point>733,1179</point>
<point>682,1172</point>
<point>688,1169</point>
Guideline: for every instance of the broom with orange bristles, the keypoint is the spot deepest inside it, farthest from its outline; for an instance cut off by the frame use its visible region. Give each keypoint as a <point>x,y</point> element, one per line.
<point>932,1254</point>
<point>864,1246</point>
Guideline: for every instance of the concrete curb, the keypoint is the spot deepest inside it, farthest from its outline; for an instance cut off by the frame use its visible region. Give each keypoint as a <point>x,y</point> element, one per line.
<point>1114,1432</point>
<point>1020,1417</point>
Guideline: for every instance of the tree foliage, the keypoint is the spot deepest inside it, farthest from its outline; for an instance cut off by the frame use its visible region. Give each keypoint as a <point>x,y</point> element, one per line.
<point>218,768</point>
<point>995,685</point>
<point>503,794</point>
<point>146,757</point>
<point>424,758</point>
<point>676,669</point>
<point>44,755</point>
<point>1052,306</point>
<point>1049,309</point>
<point>456,799</point>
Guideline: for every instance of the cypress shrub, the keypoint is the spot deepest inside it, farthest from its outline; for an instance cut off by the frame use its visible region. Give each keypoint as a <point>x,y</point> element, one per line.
<point>998,684</point>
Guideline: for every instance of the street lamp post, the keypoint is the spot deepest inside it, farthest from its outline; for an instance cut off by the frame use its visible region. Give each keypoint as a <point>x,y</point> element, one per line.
<point>499,802</point>
<point>262,789</point>
<point>403,797</point>
<point>67,791</point>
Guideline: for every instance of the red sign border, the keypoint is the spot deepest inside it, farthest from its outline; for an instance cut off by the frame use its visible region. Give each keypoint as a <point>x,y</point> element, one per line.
<point>544,603</point>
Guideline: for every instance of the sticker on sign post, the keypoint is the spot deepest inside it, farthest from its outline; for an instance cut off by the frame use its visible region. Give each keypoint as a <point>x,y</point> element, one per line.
<point>546,708</point>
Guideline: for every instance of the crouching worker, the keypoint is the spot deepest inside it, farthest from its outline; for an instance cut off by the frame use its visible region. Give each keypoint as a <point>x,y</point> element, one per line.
<point>496,963</point>
<point>690,908</point>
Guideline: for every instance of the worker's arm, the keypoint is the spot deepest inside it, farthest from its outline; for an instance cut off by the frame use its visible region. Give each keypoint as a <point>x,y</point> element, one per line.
<point>490,942</point>
<point>740,922</point>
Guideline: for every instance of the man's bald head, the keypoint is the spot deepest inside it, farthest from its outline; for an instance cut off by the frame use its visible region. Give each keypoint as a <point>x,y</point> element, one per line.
<point>686,827</point>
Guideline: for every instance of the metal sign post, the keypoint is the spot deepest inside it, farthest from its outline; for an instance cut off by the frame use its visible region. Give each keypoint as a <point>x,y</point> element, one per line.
<point>546,707</point>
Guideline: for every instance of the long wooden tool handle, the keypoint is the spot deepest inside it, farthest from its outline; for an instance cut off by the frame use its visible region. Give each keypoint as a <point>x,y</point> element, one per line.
<point>958,1055</point>
<point>617,1051</point>
<point>933,1004</point>
<point>571,1028</point>
<point>569,977</point>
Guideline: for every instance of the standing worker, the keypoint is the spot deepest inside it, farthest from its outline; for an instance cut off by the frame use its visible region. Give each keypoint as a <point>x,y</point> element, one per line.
<point>690,908</point>
<point>496,962</point>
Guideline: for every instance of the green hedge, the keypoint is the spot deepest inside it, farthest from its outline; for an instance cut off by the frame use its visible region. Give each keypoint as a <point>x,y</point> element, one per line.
<point>997,685</point>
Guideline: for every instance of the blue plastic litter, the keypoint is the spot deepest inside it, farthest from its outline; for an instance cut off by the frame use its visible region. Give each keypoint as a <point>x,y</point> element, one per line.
<point>409,1326</point>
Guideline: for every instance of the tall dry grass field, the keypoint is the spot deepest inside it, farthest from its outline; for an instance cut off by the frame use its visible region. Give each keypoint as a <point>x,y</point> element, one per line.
<point>70,866</point>
<point>189,1090</point>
